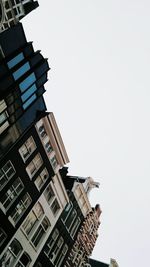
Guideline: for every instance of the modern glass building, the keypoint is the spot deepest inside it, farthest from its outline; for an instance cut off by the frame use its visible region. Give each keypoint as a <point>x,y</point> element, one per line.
<point>22,78</point>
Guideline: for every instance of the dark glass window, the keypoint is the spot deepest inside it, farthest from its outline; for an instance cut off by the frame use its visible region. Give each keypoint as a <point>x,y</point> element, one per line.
<point>3,236</point>
<point>28,93</point>
<point>22,70</point>
<point>29,101</point>
<point>27,82</point>
<point>14,61</point>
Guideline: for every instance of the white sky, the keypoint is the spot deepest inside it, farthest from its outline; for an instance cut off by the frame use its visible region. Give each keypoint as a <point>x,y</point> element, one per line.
<point>99,91</point>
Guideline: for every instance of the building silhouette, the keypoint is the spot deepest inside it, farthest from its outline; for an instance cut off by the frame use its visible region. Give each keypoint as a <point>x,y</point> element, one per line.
<point>46,216</point>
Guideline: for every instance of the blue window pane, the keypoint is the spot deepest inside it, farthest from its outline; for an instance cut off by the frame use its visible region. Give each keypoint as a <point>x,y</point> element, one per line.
<point>27,82</point>
<point>29,101</point>
<point>14,61</point>
<point>29,92</point>
<point>18,73</point>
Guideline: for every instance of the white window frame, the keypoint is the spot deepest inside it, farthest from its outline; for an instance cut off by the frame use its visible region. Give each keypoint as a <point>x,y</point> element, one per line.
<point>5,173</point>
<point>36,163</point>
<point>62,255</point>
<point>57,249</point>
<point>41,228</point>
<point>42,177</point>
<point>49,191</point>
<point>3,236</point>
<point>50,243</point>
<point>52,209</point>
<point>38,216</point>
<point>20,209</point>
<point>29,146</point>
<point>12,193</point>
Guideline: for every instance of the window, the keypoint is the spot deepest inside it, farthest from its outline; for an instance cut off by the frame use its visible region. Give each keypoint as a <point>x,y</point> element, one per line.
<point>14,61</point>
<point>29,92</point>
<point>12,193</point>
<point>49,193</point>
<point>55,207</point>
<point>51,243</point>
<point>40,232</point>
<point>32,219</point>
<point>54,162</point>
<point>56,249</point>
<point>27,82</point>
<point>34,165</point>
<point>42,178</point>
<point>67,211</point>
<point>20,208</point>
<point>13,252</point>
<point>42,131</point>
<point>3,236</point>
<point>24,260</point>
<point>3,117</point>
<point>48,147</point>
<point>27,149</point>
<point>61,256</point>
<point>3,120</point>
<point>4,126</point>
<point>6,173</point>
<point>29,101</point>
<point>22,70</point>
<point>71,219</point>
<point>2,105</point>
<point>14,256</point>
<point>75,226</point>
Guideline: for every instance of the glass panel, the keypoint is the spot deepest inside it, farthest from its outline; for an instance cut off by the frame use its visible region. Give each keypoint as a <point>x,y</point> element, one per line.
<point>41,179</point>
<point>33,218</point>
<point>2,236</point>
<point>27,148</point>
<point>23,69</point>
<point>2,105</point>
<point>39,234</point>
<point>6,173</point>
<point>3,117</point>
<point>49,193</point>
<point>21,208</point>
<point>27,82</point>
<point>11,254</point>
<point>15,60</point>
<point>24,260</point>
<point>29,92</point>
<point>29,223</point>
<point>55,207</point>
<point>42,131</point>
<point>48,147</point>
<point>8,198</point>
<point>29,101</point>
<point>62,255</point>
<point>54,162</point>
<point>51,242</point>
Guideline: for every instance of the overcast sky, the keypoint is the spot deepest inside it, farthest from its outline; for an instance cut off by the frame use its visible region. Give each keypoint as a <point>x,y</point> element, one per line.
<point>99,91</point>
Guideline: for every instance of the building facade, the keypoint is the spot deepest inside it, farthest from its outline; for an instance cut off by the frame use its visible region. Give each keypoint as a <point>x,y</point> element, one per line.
<point>22,79</point>
<point>32,194</point>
